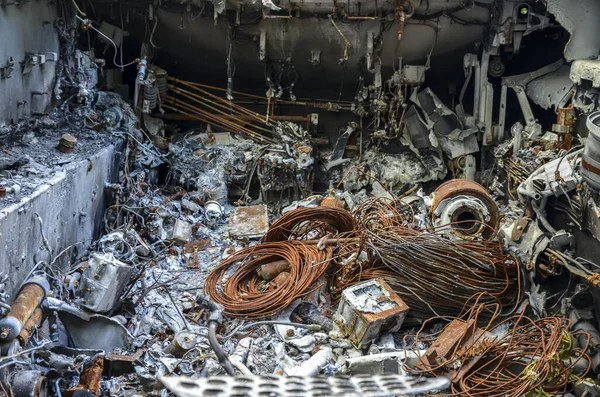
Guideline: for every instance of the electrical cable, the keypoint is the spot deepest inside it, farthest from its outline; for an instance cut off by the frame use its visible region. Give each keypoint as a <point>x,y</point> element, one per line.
<point>310,223</point>
<point>88,23</point>
<point>431,273</point>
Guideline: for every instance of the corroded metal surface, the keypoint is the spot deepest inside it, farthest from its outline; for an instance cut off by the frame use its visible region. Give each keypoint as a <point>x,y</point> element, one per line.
<point>466,188</point>
<point>250,222</point>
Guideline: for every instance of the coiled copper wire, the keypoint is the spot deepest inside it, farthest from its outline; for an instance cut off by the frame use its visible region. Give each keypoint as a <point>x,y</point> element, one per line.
<point>304,223</point>
<point>433,274</point>
<point>244,294</point>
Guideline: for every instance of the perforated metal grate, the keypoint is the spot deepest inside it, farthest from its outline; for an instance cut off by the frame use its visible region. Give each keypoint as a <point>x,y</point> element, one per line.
<point>295,386</point>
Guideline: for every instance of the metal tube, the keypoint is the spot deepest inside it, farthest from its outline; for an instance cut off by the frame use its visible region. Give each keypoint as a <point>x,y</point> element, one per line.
<point>477,91</point>
<point>28,300</point>
<point>34,321</point>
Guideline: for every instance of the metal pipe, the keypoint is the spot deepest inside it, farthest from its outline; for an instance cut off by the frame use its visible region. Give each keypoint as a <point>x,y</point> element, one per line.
<point>34,321</point>
<point>214,320</point>
<point>477,92</point>
<point>483,84</point>
<point>30,297</point>
<point>183,117</point>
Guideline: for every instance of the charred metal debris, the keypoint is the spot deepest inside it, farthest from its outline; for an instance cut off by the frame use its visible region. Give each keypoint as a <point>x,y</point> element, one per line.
<point>430,247</point>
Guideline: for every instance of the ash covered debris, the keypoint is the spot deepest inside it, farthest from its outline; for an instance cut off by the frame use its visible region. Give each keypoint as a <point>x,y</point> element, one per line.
<point>426,233</point>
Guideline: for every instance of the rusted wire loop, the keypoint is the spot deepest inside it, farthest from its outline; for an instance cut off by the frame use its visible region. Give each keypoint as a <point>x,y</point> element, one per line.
<point>310,223</point>
<point>236,284</point>
<point>531,355</point>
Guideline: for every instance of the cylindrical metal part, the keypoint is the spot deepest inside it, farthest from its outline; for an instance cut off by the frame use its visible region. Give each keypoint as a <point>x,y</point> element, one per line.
<point>34,321</point>
<point>590,160</point>
<point>29,384</point>
<point>467,206</point>
<point>280,279</point>
<point>271,270</point>
<point>28,300</point>
<point>182,343</point>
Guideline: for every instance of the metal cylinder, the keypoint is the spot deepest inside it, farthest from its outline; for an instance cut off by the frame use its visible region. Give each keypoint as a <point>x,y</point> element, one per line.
<point>150,98</point>
<point>269,271</point>
<point>590,160</point>
<point>29,384</point>
<point>34,321</point>
<point>28,300</point>
<point>182,343</point>
<point>467,207</point>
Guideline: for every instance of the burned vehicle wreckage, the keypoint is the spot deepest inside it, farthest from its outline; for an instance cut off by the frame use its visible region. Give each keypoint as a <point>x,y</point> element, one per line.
<point>300,198</point>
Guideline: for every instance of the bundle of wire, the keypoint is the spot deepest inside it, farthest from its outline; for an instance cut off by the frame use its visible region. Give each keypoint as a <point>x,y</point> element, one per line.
<point>246,295</point>
<point>310,223</point>
<point>433,274</point>
<point>533,357</point>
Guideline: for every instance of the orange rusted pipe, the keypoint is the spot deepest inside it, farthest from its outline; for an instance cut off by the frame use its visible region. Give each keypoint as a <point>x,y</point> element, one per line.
<point>31,296</point>
<point>34,321</point>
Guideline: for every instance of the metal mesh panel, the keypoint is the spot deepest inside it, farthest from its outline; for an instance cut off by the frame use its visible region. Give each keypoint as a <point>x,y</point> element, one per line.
<point>296,386</point>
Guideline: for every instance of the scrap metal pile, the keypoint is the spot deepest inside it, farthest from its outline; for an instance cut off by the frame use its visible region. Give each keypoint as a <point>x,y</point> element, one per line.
<point>173,291</point>
<point>184,288</point>
<point>244,254</point>
<point>461,291</point>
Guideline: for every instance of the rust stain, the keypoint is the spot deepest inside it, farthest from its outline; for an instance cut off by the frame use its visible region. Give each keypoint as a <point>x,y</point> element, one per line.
<point>196,246</point>
<point>90,377</point>
<point>34,321</point>
<point>251,221</point>
<point>127,358</point>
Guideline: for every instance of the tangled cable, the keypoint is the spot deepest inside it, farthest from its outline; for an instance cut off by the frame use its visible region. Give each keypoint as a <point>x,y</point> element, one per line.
<point>246,295</point>
<point>534,356</point>
<point>303,223</point>
<point>433,274</point>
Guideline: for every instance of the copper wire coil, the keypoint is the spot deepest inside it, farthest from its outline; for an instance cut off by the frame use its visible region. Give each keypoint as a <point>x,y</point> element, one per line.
<point>244,294</point>
<point>534,355</point>
<point>304,223</point>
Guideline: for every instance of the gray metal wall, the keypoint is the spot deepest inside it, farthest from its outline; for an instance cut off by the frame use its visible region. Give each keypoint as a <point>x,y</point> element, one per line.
<point>27,28</point>
<point>72,206</point>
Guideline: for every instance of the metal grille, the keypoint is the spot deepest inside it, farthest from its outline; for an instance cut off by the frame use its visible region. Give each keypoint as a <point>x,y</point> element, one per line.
<point>297,386</point>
